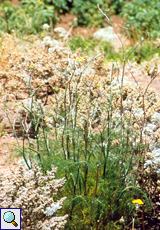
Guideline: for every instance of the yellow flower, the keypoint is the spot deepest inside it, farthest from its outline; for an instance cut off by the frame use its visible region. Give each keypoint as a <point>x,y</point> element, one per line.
<point>152,72</point>
<point>81,59</point>
<point>40,2</point>
<point>137,201</point>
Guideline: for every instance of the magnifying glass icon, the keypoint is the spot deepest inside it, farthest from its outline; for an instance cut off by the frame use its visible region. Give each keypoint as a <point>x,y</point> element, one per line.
<point>9,217</point>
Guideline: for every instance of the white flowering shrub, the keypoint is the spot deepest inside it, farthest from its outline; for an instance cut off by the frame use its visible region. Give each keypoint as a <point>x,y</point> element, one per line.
<point>34,193</point>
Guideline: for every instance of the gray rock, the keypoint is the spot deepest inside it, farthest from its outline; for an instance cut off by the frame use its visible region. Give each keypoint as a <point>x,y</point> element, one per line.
<point>106,34</point>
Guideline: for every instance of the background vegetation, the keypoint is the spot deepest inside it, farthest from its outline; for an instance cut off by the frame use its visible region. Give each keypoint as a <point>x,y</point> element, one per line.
<point>141,20</point>
<point>141,17</point>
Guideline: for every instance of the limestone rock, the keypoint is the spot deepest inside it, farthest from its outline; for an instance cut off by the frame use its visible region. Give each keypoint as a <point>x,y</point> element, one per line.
<point>106,34</point>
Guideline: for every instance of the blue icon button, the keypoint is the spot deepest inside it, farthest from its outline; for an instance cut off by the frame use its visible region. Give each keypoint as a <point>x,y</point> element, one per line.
<point>10,218</point>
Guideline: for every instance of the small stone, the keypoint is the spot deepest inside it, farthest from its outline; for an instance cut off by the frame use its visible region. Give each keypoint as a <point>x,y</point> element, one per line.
<point>105,34</point>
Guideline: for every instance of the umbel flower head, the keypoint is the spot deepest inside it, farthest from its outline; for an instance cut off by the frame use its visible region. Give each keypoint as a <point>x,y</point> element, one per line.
<point>121,220</point>
<point>45,26</point>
